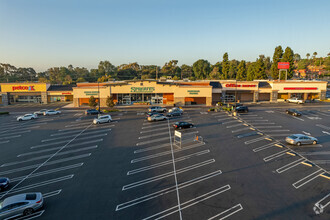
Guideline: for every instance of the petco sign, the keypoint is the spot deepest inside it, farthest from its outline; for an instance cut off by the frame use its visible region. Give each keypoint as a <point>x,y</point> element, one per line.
<point>23,88</point>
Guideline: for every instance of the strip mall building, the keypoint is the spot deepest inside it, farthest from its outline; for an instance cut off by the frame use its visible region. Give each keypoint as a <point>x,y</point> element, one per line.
<point>163,92</point>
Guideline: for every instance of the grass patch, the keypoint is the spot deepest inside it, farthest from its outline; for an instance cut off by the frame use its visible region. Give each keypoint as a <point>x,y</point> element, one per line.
<point>110,110</point>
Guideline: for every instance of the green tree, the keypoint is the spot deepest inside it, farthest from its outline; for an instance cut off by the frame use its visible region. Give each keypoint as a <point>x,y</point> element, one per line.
<point>288,57</point>
<point>201,69</point>
<point>105,68</point>
<point>259,69</point>
<point>241,72</point>
<point>308,55</point>
<point>314,55</point>
<point>250,72</point>
<point>92,102</point>
<point>171,69</point>
<point>186,71</point>
<point>67,80</point>
<point>232,69</point>
<point>278,53</point>
<point>215,73</point>
<point>225,66</point>
<point>109,102</point>
<point>302,64</point>
<point>296,57</point>
<point>80,79</point>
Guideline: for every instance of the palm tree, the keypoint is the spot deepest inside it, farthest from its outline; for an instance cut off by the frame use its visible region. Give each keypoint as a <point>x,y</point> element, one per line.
<point>314,54</point>
<point>328,54</point>
<point>308,55</point>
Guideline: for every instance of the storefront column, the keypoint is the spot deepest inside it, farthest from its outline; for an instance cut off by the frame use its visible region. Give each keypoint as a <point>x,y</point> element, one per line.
<point>305,96</point>
<point>5,99</point>
<point>44,98</point>
<point>255,96</point>
<point>223,96</point>
<point>273,96</point>
<point>322,95</point>
<point>76,102</point>
<point>208,101</point>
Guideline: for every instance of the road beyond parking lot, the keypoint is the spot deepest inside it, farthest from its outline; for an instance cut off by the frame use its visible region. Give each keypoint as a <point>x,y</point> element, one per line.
<point>241,169</point>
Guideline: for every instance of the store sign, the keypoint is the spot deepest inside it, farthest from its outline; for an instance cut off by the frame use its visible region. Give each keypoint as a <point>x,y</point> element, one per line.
<point>66,93</point>
<point>193,92</point>
<point>239,85</point>
<point>23,88</point>
<point>283,65</point>
<point>300,88</point>
<point>142,89</point>
<point>91,93</point>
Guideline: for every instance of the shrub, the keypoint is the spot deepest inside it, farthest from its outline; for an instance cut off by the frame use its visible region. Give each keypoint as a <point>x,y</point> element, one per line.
<point>110,102</point>
<point>92,102</point>
<point>110,110</point>
<point>4,113</point>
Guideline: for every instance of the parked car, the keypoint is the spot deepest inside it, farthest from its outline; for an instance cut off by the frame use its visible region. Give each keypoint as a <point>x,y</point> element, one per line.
<point>102,119</point>
<point>157,117</point>
<point>182,124</point>
<point>295,100</point>
<point>92,112</point>
<point>26,117</point>
<point>20,205</point>
<point>52,112</point>
<point>174,113</point>
<point>151,113</point>
<point>156,109</point>
<point>176,109</point>
<point>4,183</point>
<point>299,139</point>
<point>40,112</point>
<point>242,109</point>
<point>293,112</point>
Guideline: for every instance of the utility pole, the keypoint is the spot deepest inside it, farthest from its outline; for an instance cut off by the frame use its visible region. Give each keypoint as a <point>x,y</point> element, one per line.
<point>98,89</point>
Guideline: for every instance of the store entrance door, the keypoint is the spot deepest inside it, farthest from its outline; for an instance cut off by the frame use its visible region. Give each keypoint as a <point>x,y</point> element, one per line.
<point>127,100</point>
<point>157,99</point>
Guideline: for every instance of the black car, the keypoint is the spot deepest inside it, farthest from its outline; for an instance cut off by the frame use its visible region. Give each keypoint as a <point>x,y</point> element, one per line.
<point>293,112</point>
<point>175,113</point>
<point>182,124</point>
<point>4,183</point>
<point>242,109</point>
<point>92,112</point>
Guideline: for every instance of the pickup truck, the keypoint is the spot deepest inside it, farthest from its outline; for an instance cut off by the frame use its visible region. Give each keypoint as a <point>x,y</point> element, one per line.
<point>295,100</point>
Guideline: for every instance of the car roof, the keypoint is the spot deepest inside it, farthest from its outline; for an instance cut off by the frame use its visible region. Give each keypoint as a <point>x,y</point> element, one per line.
<point>298,135</point>
<point>14,199</point>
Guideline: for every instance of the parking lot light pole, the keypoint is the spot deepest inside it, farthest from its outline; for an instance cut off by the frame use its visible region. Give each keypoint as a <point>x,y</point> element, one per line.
<point>98,91</point>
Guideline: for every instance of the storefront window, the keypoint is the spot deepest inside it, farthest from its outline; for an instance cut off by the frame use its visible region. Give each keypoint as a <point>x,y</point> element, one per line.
<point>147,97</point>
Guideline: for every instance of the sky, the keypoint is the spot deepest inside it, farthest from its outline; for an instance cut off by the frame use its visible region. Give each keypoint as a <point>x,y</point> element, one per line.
<point>51,33</point>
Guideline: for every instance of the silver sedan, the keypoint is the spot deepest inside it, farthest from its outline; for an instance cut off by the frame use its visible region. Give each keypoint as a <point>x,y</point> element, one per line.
<point>299,139</point>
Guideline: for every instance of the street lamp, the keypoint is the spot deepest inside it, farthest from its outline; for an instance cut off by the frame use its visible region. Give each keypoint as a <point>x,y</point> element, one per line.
<point>98,91</point>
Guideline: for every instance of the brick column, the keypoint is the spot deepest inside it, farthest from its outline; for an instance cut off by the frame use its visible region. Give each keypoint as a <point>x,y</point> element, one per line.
<point>5,98</point>
<point>255,96</point>
<point>44,97</point>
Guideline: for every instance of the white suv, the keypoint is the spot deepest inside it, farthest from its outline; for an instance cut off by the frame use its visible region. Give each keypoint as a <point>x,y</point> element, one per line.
<point>27,117</point>
<point>295,100</point>
<point>102,119</point>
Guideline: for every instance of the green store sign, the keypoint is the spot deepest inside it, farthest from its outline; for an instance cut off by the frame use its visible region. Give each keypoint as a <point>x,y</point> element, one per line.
<point>91,93</point>
<point>142,89</point>
<point>193,92</point>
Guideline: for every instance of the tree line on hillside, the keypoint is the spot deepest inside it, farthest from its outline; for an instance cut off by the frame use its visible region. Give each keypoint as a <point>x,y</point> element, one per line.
<point>262,68</point>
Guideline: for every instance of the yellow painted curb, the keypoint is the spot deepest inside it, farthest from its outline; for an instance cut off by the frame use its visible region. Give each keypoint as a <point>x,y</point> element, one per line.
<point>328,177</point>
<point>260,133</point>
<point>268,139</point>
<point>307,164</point>
<point>291,154</point>
<point>277,145</point>
<point>253,129</point>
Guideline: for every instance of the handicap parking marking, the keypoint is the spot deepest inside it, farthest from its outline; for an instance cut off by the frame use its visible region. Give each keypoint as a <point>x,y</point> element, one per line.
<point>276,155</point>
<point>167,162</point>
<point>190,203</point>
<point>168,190</point>
<point>308,178</point>
<point>290,165</point>
<point>229,212</point>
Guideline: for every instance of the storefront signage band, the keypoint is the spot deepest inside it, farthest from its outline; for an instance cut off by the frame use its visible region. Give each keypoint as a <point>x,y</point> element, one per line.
<point>239,85</point>
<point>142,89</point>
<point>300,88</point>
<point>90,93</point>
<point>193,92</point>
<point>23,88</point>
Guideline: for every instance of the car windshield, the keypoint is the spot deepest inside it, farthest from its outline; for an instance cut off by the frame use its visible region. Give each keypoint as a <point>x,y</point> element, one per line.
<point>3,180</point>
<point>293,137</point>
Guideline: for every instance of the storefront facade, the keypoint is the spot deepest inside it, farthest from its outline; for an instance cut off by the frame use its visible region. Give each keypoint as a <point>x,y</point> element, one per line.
<point>144,92</point>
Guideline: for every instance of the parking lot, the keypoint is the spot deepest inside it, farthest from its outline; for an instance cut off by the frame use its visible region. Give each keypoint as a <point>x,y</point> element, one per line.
<point>238,167</point>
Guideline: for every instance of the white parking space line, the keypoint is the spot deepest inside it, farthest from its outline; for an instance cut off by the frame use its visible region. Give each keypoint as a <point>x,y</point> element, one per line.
<point>10,137</point>
<point>4,142</point>
<point>152,130</point>
<point>50,194</point>
<point>229,122</point>
<point>46,156</point>
<point>321,161</point>
<point>35,185</point>
<point>315,153</point>
<point>61,142</point>
<point>276,126</point>
<point>254,140</point>
<point>290,165</point>
<point>255,120</point>
<point>190,203</point>
<point>324,114</point>
<point>298,118</point>
<point>241,129</point>
<point>165,191</point>
<point>152,148</point>
<point>221,116</point>
<point>70,136</point>
<point>279,135</point>
<point>32,216</point>
<point>78,131</point>
<point>270,131</point>
<point>229,212</point>
<point>48,172</point>
<point>307,179</point>
<point>168,174</point>
<point>323,126</point>
<point>273,156</point>
<point>264,147</point>
<point>233,126</point>
<point>165,153</point>
<point>263,123</point>
<point>80,124</point>
<point>17,128</point>
<point>48,163</point>
<point>152,141</point>
<point>250,116</point>
<point>225,119</point>
<point>164,163</point>
<point>16,132</point>
<point>155,126</point>
<point>153,135</point>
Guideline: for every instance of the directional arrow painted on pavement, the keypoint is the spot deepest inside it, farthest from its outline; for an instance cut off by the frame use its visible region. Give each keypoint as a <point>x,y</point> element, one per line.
<point>306,133</point>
